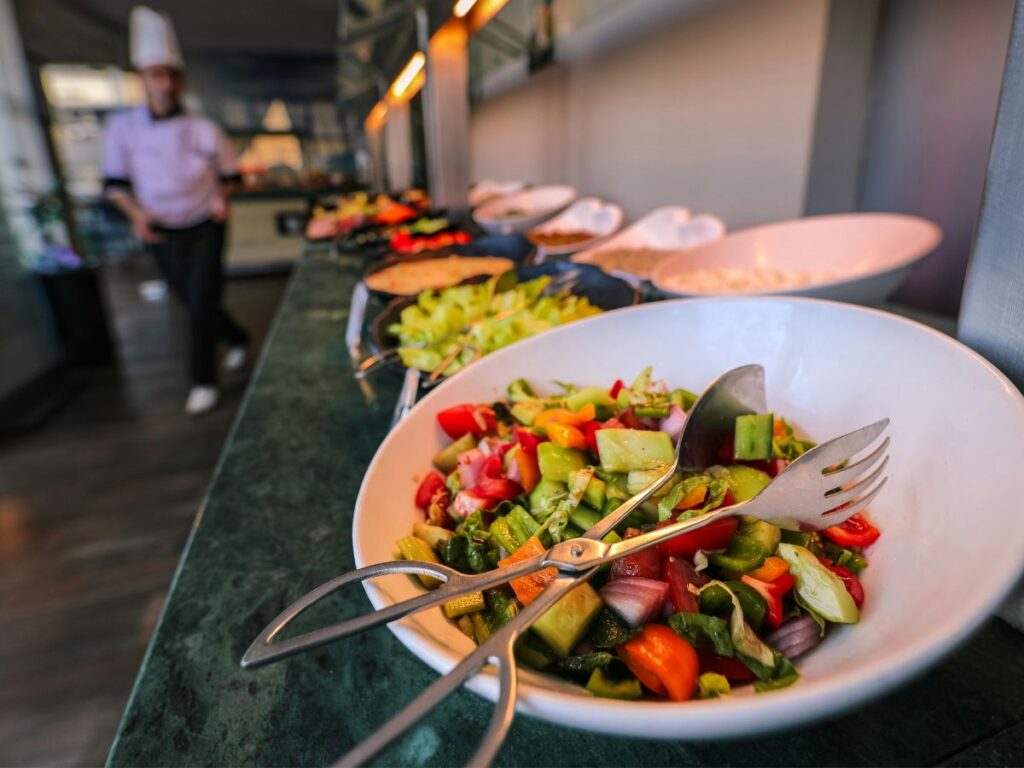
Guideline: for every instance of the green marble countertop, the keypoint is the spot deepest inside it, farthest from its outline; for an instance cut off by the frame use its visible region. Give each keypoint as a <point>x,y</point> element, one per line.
<point>277,521</point>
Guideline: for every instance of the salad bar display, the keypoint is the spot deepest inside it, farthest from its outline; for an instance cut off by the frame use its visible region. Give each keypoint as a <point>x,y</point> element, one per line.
<point>725,605</point>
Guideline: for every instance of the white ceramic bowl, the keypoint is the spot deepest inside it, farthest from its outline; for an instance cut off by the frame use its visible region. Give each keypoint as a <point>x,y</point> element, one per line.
<point>669,229</point>
<point>529,208</point>
<point>487,190</point>
<point>589,214</point>
<point>952,537</point>
<point>866,255</point>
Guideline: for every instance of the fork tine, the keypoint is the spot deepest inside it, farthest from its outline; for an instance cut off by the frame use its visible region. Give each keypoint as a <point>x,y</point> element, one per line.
<point>837,477</point>
<point>840,515</point>
<point>849,494</point>
<point>848,445</point>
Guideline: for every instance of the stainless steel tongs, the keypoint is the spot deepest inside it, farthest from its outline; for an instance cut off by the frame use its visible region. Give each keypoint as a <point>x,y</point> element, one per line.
<point>809,494</point>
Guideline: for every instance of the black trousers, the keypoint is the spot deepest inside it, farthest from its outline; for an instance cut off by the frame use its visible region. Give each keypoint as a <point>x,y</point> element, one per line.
<point>192,262</point>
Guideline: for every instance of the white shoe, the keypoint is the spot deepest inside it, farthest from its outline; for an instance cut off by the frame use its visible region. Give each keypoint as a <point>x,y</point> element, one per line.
<point>236,358</point>
<point>201,399</point>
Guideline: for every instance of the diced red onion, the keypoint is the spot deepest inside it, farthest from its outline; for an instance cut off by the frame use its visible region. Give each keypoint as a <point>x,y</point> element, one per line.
<point>635,599</point>
<point>513,473</point>
<point>674,422</point>
<point>470,464</point>
<point>795,637</point>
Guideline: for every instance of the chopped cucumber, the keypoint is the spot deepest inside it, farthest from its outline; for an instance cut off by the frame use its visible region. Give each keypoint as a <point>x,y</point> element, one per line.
<point>753,439</point>
<point>567,621</point>
<point>544,497</point>
<point>716,601</point>
<point>526,412</point>
<point>534,652</point>
<point>597,396</point>
<point>556,462</point>
<point>448,459</point>
<point>746,482</point>
<point>623,450</point>
<point>638,479</point>
<point>523,526</point>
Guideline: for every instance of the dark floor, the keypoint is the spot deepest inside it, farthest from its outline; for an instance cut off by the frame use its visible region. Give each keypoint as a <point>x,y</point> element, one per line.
<point>95,507</point>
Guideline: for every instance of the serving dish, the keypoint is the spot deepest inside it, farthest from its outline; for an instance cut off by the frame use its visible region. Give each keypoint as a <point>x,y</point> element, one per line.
<point>487,190</point>
<point>855,257</point>
<point>602,290</point>
<point>523,210</point>
<point>512,247</point>
<point>663,230</point>
<point>590,217</point>
<point>830,367</point>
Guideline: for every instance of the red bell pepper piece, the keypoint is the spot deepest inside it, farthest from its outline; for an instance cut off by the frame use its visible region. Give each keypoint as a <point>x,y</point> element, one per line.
<point>590,430</point>
<point>527,440</point>
<point>716,535</point>
<point>855,532</point>
<point>662,661</point>
<point>431,484</point>
<point>772,592</point>
<point>643,563</point>
<point>465,419</point>
<point>617,387</point>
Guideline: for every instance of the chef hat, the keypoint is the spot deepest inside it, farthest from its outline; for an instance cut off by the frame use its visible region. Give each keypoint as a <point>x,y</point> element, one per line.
<point>153,40</point>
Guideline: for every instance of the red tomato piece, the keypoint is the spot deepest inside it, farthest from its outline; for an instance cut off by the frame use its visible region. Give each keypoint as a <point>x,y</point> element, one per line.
<point>431,484</point>
<point>855,532</point>
<point>731,669</point>
<point>527,440</point>
<point>498,488</point>
<point>643,563</point>
<point>679,574</point>
<point>851,582</point>
<point>716,535</point>
<point>464,419</point>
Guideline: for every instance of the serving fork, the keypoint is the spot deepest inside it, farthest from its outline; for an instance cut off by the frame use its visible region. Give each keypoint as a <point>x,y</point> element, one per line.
<point>816,491</point>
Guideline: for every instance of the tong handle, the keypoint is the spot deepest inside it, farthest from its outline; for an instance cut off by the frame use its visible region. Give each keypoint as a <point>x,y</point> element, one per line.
<point>264,649</point>
<point>499,650</point>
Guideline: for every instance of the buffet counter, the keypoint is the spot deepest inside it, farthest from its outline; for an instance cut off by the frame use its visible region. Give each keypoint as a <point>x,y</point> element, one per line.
<point>277,521</point>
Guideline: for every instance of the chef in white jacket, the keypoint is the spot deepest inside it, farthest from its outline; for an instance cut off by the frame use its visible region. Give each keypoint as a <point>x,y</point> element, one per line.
<point>170,172</point>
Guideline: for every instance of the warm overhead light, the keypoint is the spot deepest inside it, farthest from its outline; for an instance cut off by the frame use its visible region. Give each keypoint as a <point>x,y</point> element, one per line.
<point>406,77</point>
<point>462,7</point>
<point>378,115</point>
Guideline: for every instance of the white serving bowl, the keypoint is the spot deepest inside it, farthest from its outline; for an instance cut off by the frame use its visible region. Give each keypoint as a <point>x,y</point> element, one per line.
<point>669,229</point>
<point>588,214</point>
<point>487,190</point>
<point>867,255</point>
<point>952,540</point>
<point>536,205</point>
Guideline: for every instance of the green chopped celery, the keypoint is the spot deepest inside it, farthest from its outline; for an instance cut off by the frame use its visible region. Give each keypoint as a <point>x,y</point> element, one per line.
<point>604,685</point>
<point>711,685</point>
<point>652,411</point>
<point>523,526</point>
<point>412,548</point>
<point>463,604</point>
<point>584,517</point>
<point>622,450</point>
<point>520,391</point>
<point>501,533</point>
<point>753,437</point>
<point>683,398</point>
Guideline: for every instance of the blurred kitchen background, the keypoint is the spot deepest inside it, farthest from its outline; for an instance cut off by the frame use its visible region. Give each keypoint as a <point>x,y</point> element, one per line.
<point>755,110</point>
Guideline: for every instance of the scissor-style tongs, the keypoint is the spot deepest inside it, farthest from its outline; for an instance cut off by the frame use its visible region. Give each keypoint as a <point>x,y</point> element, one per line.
<point>805,496</point>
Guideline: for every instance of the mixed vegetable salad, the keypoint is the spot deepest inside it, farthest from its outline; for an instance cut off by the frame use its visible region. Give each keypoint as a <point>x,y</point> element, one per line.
<point>492,318</point>
<point>730,603</point>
